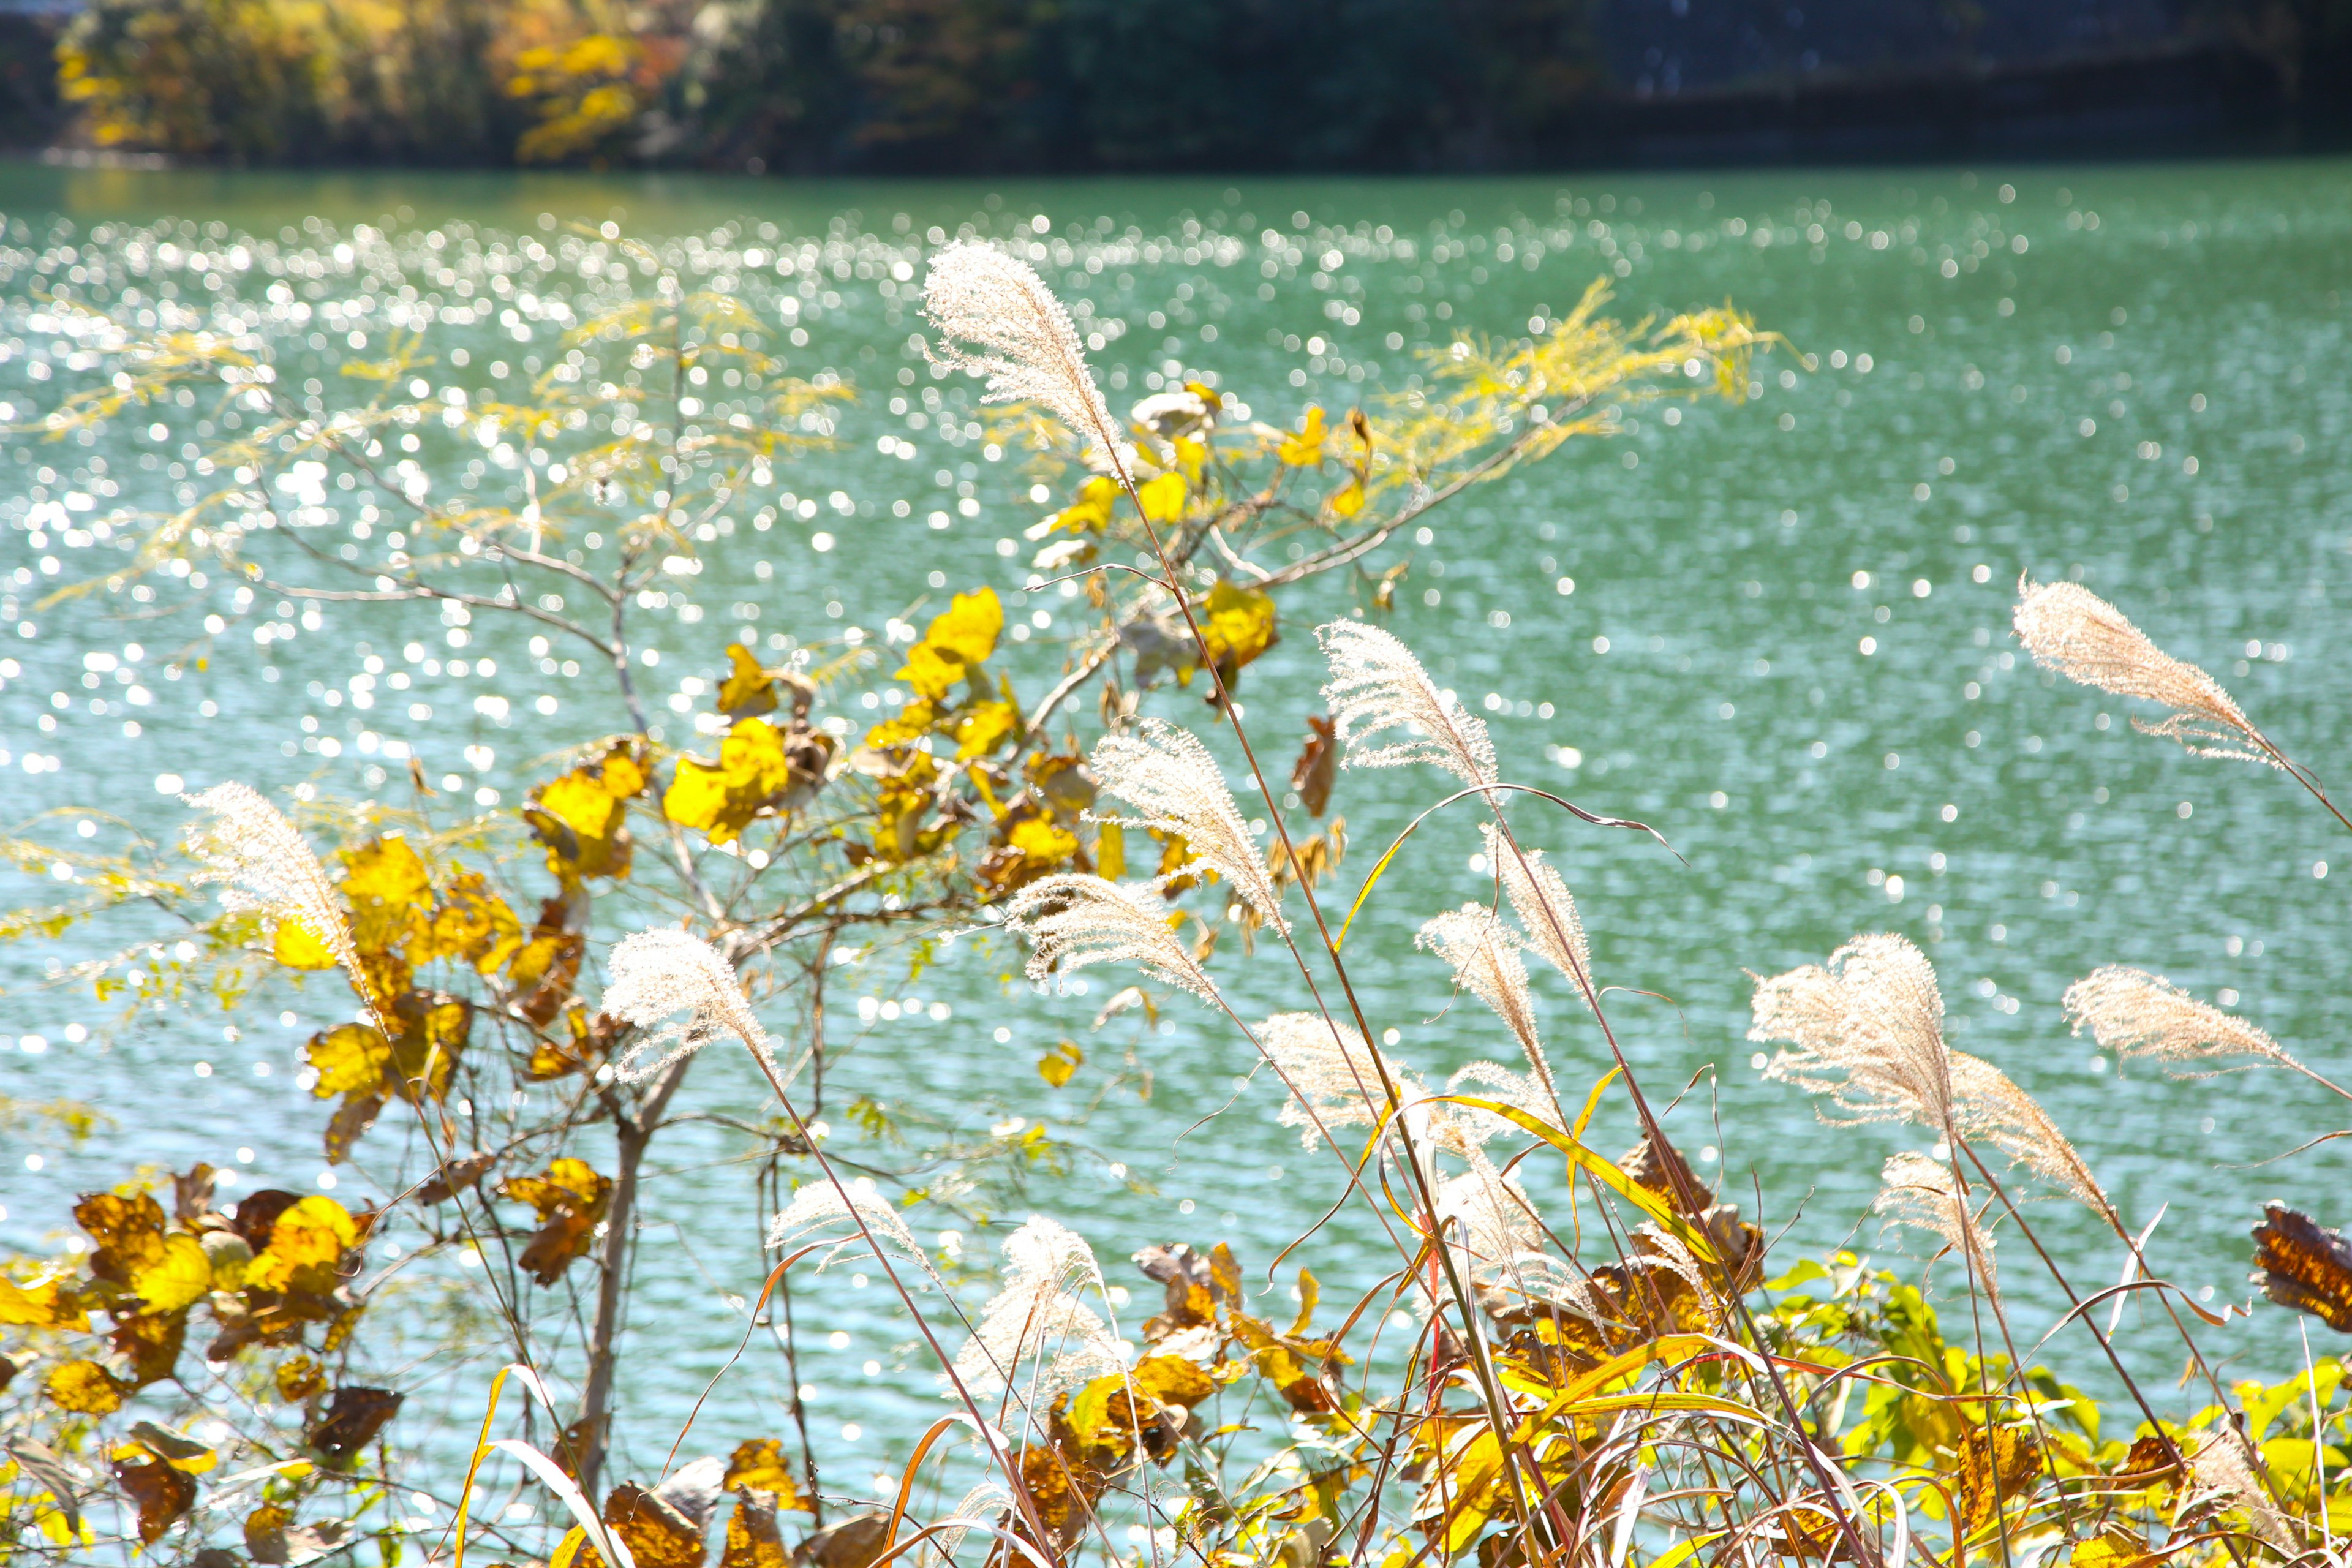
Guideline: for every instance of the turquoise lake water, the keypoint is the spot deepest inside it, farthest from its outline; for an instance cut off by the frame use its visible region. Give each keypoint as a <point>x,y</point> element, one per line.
<point>1786,647</point>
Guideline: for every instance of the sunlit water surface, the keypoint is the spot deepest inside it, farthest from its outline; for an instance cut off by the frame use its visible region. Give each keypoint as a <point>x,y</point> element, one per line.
<point>1777,632</point>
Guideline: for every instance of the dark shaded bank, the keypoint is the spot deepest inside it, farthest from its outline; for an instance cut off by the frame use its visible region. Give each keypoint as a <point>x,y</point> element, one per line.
<point>992,87</point>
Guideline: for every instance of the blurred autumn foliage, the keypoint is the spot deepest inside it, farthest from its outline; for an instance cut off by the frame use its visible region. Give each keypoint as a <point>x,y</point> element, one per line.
<point>822,84</point>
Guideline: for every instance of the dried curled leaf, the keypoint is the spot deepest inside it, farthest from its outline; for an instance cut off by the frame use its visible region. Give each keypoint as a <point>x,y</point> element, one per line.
<point>2303,1267</point>
<point>353,1416</point>
<point>163,1493</point>
<point>570,1200</point>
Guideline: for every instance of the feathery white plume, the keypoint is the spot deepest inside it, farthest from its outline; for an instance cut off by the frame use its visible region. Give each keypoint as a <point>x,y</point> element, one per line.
<point>1484,956</point>
<point>1521,1091</point>
<point>1167,774</point>
<point>1378,685</point>
<point>1989,1107</point>
<point>265,867</point>
<point>658,976</point>
<point>2221,1475</point>
<point>2068,628</point>
<point>1496,1221</point>
<point>1073,921</point>
<point>1919,1192</point>
<point>1335,1080</point>
<point>1868,1031</point>
<point>2135,1013</point>
<point>818,1209</point>
<point>1026,346</point>
<point>1547,911</point>
<point>1039,1317</point>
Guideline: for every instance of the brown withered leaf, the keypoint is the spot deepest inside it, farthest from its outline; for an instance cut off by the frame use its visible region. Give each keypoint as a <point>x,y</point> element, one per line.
<point>656,1534</point>
<point>759,1465</point>
<point>8,1371</point>
<point>454,1177</point>
<point>264,1533</point>
<point>163,1494</point>
<point>257,1215</point>
<point>1057,1492</point>
<point>1185,1275</point>
<point>41,1464</point>
<point>855,1542</point>
<point>191,1195</point>
<point>2303,1267</point>
<point>2150,1462</point>
<point>353,1416</point>
<point>1996,1471</point>
<point>349,1124</point>
<point>570,1200</point>
<point>128,1229</point>
<point>150,1344</point>
<point>1318,767</point>
<point>548,966</point>
<point>1656,1166</point>
<point>754,1539</point>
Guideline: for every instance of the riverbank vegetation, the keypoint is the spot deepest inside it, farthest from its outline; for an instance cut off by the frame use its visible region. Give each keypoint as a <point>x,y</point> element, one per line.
<point>1564,1357</point>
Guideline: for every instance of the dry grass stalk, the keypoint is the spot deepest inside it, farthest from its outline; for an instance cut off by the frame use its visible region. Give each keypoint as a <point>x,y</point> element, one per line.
<point>265,867</point>
<point>1378,685</point>
<point>1918,1192</point>
<point>680,989</point>
<point>1167,774</point>
<point>2072,630</point>
<point>1073,921</point>
<point>2135,1013</point>
<point>1547,911</point>
<point>1039,1317</point>
<point>1027,347</point>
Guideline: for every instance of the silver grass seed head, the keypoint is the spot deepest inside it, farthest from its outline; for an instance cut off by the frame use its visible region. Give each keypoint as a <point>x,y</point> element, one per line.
<point>819,1211</point>
<point>1072,921</point>
<point>1377,687</point>
<point>681,990</point>
<point>1918,1192</point>
<point>1170,777</point>
<point>1334,1080</point>
<point>2222,1473</point>
<point>1484,953</point>
<point>2071,630</point>
<point>1553,929</point>
<point>2135,1013</point>
<point>999,321</point>
<point>1866,1032</point>
<point>265,867</point>
<point>1040,1318</point>
<point>1988,1107</point>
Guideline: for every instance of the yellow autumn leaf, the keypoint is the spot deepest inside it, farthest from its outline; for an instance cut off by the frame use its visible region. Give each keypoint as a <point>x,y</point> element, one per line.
<point>720,798</point>
<point>1162,498</point>
<point>1090,512</point>
<point>46,1303</point>
<point>1043,841</point>
<point>1348,501</point>
<point>969,625</point>
<point>1238,625</point>
<point>747,690</point>
<point>181,1278</point>
<point>1111,851</point>
<point>471,922</point>
<point>296,948</point>
<point>1305,449</point>
<point>85,1388</point>
<point>305,1243</point>
<point>346,1058</point>
<point>983,729</point>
